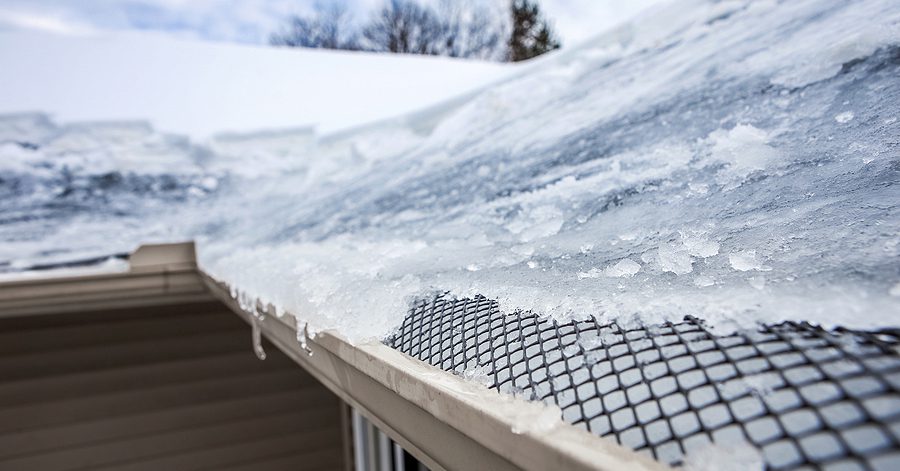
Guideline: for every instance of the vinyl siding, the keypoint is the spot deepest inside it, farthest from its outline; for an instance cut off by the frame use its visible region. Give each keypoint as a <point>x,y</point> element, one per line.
<point>175,388</point>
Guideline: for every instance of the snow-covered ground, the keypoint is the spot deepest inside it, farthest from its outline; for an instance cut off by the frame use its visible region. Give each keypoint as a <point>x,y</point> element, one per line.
<point>735,160</point>
<point>200,89</point>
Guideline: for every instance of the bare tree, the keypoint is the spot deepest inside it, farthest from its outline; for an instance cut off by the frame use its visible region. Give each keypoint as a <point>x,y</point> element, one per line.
<point>403,26</point>
<point>469,30</point>
<point>330,27</point>
<point>455,28</point>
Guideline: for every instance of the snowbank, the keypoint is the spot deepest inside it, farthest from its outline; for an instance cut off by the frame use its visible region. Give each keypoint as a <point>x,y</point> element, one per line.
<point>202,88</point>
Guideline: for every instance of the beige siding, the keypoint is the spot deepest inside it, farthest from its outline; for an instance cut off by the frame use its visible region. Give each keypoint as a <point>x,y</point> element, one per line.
<point>172,388</point>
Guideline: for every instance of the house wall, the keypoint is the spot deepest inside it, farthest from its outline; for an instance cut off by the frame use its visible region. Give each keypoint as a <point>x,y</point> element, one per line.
<point>153,388</point>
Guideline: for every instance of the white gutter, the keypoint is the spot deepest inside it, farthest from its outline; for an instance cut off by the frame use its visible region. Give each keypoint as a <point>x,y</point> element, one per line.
<point>158,275</point>
<point>444,421</point>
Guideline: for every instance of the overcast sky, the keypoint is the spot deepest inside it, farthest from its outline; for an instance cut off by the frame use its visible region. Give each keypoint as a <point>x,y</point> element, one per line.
<point>252,21</point>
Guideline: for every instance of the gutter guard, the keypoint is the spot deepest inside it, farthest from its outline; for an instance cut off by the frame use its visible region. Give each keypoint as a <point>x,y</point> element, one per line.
<point>444,421</point>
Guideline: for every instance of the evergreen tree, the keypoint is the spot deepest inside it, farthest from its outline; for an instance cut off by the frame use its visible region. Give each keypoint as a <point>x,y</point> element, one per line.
<point>531,34</point>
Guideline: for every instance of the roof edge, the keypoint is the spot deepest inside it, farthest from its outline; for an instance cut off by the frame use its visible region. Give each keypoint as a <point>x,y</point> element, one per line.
<point>443,420</point>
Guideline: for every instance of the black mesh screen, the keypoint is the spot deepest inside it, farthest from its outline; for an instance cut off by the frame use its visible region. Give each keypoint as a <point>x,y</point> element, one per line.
<point>803,395</point>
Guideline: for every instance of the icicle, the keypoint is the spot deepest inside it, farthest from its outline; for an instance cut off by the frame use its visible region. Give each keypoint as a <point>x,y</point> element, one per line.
<point>302,336</point>
<point>243,302</point>
<point>256,337</point>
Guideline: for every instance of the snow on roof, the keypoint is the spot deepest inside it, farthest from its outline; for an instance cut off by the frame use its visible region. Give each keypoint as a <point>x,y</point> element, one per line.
<point>734,161</point>
<point>202,88</point>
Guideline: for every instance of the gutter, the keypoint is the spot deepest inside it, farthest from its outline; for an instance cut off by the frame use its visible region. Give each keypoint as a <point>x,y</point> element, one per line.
<point>446,422</point>
<point>161,274</point>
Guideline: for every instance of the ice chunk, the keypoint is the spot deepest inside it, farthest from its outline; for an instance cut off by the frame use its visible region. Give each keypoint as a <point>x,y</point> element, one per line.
<point>480,374</point>
<point>590,340</point>
<point>675,258</point>
<point>746,260</point>
<point>844,117</point>
<point>700,246</point>
<point>625,268</point>
<point>745,148</point>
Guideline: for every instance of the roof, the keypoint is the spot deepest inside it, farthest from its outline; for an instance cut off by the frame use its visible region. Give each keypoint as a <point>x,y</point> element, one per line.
<point>673,165</point>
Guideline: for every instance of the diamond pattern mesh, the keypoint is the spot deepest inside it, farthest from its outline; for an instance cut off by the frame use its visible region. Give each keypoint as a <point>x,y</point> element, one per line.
<point>806,397</point>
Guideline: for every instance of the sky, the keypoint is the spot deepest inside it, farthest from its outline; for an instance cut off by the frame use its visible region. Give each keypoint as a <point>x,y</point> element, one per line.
<point>253,21</point>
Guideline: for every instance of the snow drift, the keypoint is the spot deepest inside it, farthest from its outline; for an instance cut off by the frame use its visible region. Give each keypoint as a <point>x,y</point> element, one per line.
<point>201,88</point>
